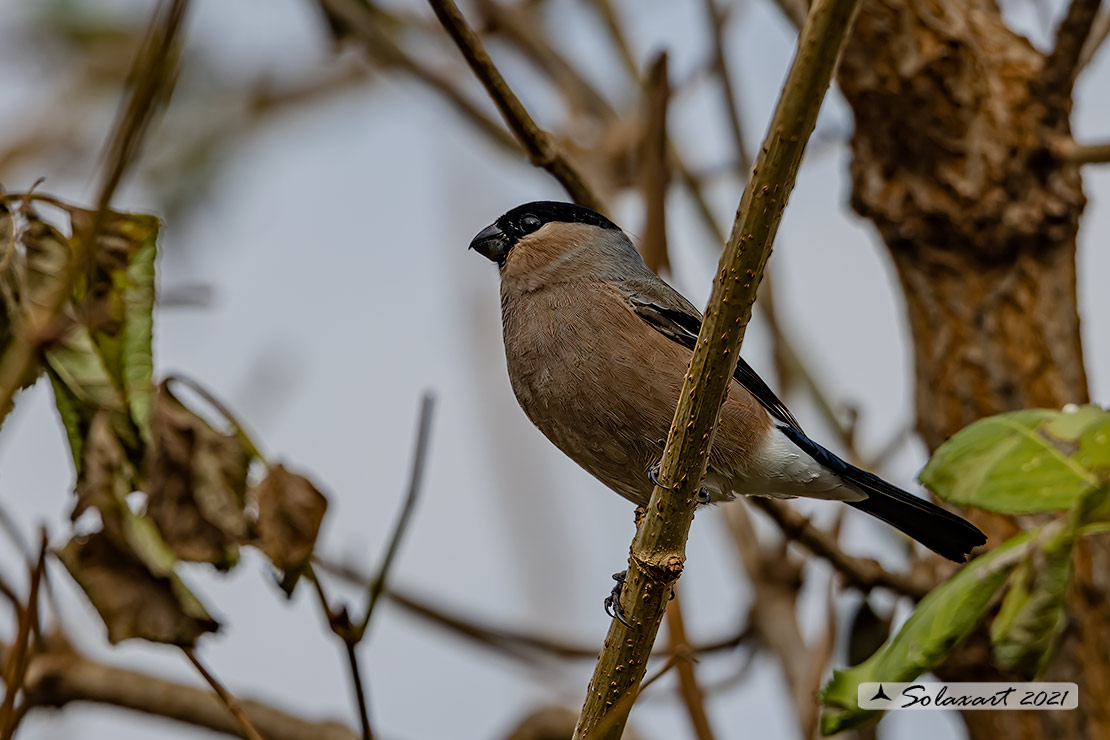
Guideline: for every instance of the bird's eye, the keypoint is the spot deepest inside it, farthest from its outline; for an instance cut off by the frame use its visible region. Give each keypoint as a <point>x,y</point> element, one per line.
<point>530,223</point>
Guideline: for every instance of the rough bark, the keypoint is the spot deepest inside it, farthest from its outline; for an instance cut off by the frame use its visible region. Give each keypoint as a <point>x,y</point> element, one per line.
<point>957,122</point>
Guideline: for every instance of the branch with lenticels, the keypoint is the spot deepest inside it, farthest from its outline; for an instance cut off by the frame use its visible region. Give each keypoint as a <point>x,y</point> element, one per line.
<point>658,550</point>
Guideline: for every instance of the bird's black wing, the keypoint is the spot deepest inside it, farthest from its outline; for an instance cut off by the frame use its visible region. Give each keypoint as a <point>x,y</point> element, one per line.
<point>683,327</point>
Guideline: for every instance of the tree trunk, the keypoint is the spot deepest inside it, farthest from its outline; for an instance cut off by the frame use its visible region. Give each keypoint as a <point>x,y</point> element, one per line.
<point>957,123</point>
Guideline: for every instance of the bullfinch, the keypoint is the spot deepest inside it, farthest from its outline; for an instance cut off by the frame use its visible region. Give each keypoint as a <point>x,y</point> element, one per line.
<point>597,346</point>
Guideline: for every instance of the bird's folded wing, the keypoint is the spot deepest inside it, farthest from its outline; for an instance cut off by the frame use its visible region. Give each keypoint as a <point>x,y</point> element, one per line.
<point>682,326</point>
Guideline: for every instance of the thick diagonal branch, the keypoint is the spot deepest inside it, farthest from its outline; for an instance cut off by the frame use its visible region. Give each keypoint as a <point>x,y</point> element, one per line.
<point>658,551</point>
<point>541,147</point>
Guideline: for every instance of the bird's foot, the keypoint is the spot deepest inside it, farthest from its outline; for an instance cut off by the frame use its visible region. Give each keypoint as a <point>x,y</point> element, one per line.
<point>653,476</point>
<point>613,600</point>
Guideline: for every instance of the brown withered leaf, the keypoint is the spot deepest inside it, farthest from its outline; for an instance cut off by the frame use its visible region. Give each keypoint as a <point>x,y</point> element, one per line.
<point>196,484</point>
<point>106,475</point>
<point>132,601</point>
<point>290,510</point>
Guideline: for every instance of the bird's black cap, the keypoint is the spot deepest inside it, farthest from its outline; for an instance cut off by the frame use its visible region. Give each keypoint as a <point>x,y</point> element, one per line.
<point>495,241</point>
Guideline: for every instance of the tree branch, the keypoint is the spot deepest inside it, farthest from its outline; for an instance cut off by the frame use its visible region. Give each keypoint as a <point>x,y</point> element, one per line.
<point>516,644</point>
<point>416,476</point>
<point>247,727</point>
<point>717,22</point>
<point>19,659</point>
<point>689,690</point>
<point>340,622</point>
<point>864,574</point>
<point>1076,153</point>
<point>362,23</point>
<point>655,176</point>
<point>539,144</point>
<point>1063,64</point>
<point>1100,30</point>
<point>658,550</point>
<point>60,676</point>
<point>340,625</point>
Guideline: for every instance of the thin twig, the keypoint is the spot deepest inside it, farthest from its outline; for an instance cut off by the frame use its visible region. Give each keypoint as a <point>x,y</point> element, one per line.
<point>1061,67</point>
<point>1076,153</point>
<point>241,434</point>
<point>20,657</point>
<point>689,690</point>
<point>520,25</point>
<point>515,643</point>
<point>1100,31</point>
<point>340,624</point>
<point>690,181</point>
<point>658,551</point>
<point>9,593</point>
<point>362,23</point>
<point>655,175</point>
<point>416,476</point>
<point>359,691</point>
<point>862,573</point>
<point>716,21</point>
<point>153,72</point>
<point>539,144</point>
<point>232,704</point>
<point>616,35</point>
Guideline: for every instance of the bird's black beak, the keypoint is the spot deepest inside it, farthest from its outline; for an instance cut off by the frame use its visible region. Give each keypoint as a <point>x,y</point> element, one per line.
<point>491,243</point>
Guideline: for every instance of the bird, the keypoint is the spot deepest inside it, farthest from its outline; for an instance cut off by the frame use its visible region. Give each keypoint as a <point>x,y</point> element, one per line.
<point>597,347</point>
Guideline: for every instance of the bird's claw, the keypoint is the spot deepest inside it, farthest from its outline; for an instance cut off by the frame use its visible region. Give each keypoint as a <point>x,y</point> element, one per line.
<point>653,476</point>
<point>613,600</point>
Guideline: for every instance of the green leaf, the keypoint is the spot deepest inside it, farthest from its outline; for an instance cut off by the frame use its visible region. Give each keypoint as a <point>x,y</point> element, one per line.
<point>76,426</point>
<point>1033,612</point>
<point>1025,461</point>
<point>941,621</point>
<point>78,365</point>
<point>83,388</point>
<point>138,331</point>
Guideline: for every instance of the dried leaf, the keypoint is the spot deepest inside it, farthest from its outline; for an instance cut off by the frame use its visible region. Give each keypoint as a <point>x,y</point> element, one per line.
<point>290,510</point>
<point>47,251</point>
<point>196,484</point>
<point>133,601</point>
<point>107,476</point>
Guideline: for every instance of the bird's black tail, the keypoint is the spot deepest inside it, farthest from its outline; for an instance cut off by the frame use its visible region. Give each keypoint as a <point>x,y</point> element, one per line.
<point>939,530</point>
